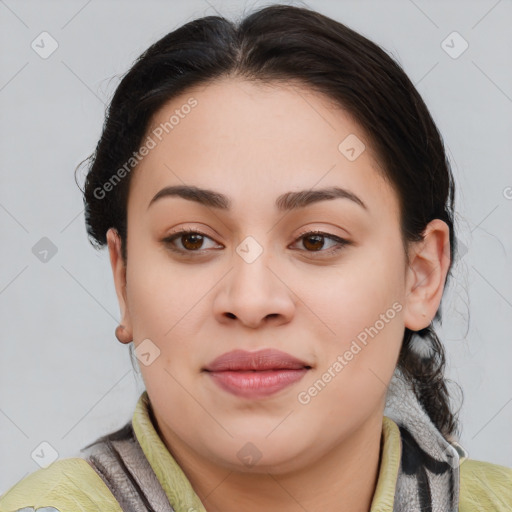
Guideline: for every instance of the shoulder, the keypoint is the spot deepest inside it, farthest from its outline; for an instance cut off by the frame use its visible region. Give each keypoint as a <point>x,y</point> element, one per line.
<point>68,485</point>
<point>485,486</point>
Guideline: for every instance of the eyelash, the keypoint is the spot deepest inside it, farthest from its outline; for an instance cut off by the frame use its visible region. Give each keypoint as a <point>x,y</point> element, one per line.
<point>342,243</point>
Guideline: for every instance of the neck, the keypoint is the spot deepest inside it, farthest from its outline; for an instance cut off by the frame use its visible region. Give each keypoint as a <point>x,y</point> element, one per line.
<point>344,478</point>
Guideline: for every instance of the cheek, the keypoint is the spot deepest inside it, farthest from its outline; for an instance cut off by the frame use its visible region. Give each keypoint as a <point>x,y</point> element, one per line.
<point>363,309</point>
<point>376,308</point>
<point>352,295</point>
<point>160,293</point>
<point>165,304</point>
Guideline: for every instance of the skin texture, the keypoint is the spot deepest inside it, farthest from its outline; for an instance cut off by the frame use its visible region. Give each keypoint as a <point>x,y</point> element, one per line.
<point>254,142</point>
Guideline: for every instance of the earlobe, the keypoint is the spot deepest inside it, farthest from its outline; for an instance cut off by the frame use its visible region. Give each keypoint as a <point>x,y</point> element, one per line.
<point>429,261</point>
<point>124,332</point>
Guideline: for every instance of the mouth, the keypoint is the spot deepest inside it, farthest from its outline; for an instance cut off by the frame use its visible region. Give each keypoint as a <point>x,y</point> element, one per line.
<point>266,359</point>
<point>256,374</point>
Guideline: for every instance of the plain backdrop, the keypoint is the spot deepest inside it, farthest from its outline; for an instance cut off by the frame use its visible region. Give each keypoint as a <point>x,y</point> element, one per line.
<point>64,378</point>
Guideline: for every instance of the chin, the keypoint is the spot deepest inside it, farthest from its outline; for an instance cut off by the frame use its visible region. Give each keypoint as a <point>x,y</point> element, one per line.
<point>261,455</point>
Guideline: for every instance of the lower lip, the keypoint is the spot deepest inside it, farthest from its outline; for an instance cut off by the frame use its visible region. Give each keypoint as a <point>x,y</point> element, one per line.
<point>256,384</point>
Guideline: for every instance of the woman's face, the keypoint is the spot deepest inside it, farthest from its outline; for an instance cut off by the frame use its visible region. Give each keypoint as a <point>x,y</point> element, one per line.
<point>252,281</point>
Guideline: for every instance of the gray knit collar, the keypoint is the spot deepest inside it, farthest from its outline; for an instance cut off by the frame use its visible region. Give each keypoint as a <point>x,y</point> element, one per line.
<point>428,478</point>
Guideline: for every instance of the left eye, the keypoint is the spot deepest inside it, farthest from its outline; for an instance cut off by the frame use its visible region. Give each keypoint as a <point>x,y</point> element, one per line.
<point>317,238</point>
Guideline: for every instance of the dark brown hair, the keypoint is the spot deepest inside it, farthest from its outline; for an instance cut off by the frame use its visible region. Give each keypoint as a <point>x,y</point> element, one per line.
<point>288,44</point>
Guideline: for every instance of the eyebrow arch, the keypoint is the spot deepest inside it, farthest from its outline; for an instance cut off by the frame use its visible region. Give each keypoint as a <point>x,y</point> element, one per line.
<point>285,202</point>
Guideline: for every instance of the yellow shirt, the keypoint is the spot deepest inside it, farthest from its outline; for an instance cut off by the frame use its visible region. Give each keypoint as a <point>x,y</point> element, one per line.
<point>72,485</point>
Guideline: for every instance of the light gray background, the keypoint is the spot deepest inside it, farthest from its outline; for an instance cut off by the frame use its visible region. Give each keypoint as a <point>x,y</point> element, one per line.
<point>64,378</point>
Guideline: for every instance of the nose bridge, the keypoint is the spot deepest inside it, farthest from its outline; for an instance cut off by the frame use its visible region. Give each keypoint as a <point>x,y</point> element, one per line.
<point>254,291</point>
<point>252,265</point>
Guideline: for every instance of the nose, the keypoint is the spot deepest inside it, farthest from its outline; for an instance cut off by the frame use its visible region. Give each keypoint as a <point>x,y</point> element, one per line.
<point>254,292</point>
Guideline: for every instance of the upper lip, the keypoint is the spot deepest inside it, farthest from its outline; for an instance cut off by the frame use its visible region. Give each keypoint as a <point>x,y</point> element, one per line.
<point>266,359</point>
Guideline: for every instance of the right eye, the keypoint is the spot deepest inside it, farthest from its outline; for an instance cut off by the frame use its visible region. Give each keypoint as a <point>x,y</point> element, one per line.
<point>191,241</point>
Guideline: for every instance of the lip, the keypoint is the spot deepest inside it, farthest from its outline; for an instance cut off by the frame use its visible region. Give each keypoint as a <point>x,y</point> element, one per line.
<point>265,359</point>
<point>256,374</point>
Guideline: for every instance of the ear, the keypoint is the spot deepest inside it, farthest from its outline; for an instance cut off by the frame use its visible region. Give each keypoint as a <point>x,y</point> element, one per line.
<point>429,260</point>
<point>119,272</point>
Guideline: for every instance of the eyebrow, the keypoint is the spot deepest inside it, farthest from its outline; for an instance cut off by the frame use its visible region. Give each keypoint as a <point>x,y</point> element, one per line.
<point>285,202</point>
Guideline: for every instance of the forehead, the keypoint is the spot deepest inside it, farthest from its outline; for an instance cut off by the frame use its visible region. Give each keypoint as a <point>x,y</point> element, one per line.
<point>256,139</point>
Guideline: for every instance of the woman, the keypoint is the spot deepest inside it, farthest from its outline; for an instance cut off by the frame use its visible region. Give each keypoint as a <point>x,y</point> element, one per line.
<point>278,209</point>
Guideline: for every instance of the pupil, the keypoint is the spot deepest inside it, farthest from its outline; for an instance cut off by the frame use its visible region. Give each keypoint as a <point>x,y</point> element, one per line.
<point>318,239</point>
<point>196,244</point>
